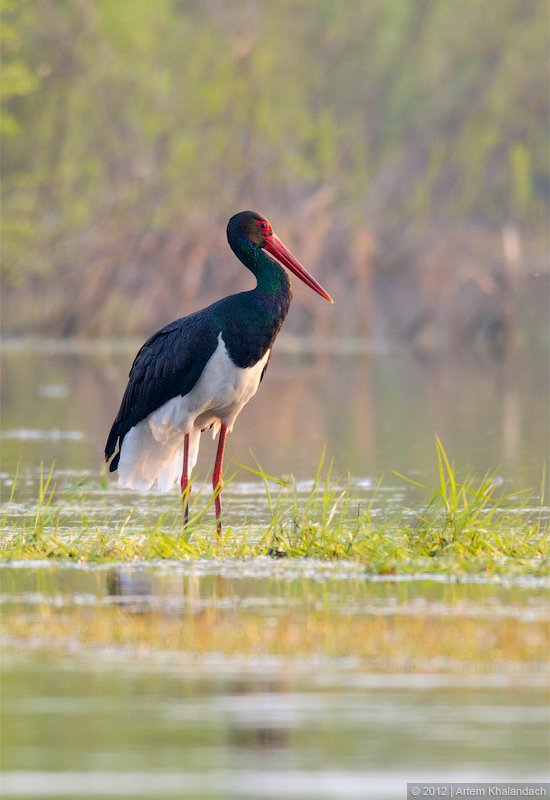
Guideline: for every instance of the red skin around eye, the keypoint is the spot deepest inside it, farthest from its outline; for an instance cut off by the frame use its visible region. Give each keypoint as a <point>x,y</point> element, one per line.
<point>263,226</point>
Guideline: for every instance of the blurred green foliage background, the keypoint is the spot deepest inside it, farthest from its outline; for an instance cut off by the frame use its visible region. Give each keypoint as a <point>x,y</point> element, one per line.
<point>400,148</point>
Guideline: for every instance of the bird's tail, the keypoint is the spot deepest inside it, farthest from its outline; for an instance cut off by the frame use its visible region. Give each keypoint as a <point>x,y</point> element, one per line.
<point>145,461</point>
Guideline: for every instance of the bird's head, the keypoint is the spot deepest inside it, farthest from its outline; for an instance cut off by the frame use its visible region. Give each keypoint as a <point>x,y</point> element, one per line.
<point>255,230</point>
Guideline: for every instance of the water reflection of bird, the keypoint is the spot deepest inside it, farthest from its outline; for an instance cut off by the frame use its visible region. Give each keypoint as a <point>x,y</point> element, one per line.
<point>132,587</point>
<point>200,371</point>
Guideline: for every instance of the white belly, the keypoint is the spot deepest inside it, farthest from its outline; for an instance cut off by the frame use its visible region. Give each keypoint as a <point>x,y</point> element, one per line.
<point>152,449</point>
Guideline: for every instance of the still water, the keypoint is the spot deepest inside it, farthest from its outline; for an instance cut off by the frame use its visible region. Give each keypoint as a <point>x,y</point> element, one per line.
<point>110,719</point>
<point>86,716</point>
<point>372,413</point>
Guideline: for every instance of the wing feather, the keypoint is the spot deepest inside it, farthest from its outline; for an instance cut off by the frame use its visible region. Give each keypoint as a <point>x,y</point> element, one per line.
<point>167,365</point>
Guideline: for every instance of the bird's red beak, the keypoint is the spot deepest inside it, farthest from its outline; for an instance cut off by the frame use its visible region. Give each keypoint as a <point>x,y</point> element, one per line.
<point>276,248</point>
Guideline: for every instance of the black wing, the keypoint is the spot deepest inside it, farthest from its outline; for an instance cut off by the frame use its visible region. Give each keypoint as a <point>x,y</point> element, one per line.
<point>169,364</point>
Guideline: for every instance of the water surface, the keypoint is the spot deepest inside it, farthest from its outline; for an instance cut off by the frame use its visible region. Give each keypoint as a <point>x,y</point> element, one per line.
<point>121,719</point>
<point>372,412</point>
<point>96,703</point>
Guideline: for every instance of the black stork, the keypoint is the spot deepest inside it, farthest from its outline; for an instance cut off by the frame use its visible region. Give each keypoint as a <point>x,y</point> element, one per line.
<point>200,371</point>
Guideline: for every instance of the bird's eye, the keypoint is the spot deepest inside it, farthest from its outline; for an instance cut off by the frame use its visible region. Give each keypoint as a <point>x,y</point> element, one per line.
<point>264,226</point>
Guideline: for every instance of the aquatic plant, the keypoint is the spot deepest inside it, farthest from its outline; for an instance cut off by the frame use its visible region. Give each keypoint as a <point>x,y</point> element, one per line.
<point>466,525</point>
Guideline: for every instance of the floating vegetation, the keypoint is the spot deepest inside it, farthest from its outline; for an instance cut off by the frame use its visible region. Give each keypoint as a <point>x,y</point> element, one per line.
<point>468,526</point>
<point>387,642</point>
<point>294,609</point>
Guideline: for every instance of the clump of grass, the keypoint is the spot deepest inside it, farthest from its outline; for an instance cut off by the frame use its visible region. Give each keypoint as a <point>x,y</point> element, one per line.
<point>467,526</point>
<point>473,523</point>
<point>45,516</point>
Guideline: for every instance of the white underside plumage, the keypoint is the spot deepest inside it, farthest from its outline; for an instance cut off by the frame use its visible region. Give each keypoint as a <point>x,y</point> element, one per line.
<point>152,451</point>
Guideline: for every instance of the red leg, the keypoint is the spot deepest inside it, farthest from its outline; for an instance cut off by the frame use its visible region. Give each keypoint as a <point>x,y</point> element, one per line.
<point>184,483</point>
<point>217,483</point>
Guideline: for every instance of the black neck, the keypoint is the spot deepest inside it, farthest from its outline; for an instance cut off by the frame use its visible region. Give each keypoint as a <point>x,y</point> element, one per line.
<point>257,316</point>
